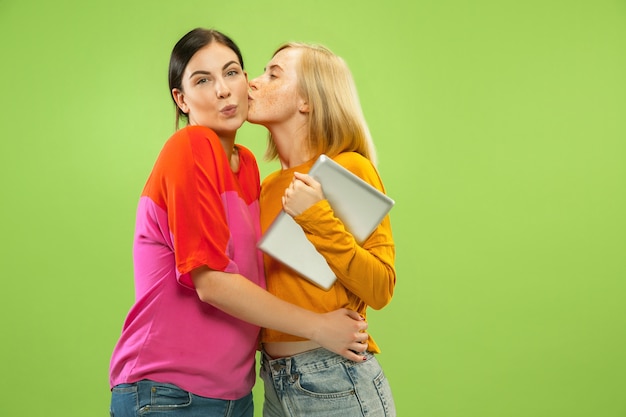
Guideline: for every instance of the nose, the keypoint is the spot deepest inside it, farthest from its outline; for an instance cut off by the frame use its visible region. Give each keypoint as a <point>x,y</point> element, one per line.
<point>222,90</point>
<point>253,84</point>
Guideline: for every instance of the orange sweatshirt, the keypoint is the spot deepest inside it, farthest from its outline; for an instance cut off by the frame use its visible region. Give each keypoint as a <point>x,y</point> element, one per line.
<point>366,274</point>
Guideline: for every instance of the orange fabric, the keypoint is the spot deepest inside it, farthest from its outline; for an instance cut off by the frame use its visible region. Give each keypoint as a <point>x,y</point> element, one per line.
<point>366,275</point>
<point>193,182</point>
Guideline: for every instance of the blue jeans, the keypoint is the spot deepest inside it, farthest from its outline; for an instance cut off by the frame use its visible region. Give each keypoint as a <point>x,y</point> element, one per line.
<point>320,383</point>
<point>149,398</point>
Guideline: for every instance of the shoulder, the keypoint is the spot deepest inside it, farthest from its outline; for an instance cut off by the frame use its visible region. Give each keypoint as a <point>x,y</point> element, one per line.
<point>193,132</point>
<point>188,138</point>
<point>271,178</point>
<point>361,167</point>
<point>189,147</point>
<point>357,164</point>
<point>198,132</point>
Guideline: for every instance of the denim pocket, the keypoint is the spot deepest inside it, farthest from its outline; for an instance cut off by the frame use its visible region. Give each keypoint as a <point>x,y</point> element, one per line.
<point>124,400</point>
<point>166,397</point>
<point>332,382</point>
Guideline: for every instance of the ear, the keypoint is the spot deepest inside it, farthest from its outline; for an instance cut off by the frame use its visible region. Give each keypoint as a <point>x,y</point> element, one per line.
<point>179,98</point>
<point>303,107</point>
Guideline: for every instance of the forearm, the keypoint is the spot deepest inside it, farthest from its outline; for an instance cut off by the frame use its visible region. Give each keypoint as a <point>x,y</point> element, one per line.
<point>237,296</point>
<point>341,331</point>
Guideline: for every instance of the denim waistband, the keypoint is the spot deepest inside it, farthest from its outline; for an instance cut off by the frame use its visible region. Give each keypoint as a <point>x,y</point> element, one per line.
<point>145,386</point>
<point>309,361</point>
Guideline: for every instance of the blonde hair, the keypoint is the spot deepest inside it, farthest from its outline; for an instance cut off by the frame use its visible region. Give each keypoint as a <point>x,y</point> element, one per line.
<point>336,121</point>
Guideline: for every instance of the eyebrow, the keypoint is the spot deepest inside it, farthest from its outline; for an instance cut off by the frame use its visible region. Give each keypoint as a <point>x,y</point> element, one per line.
<point>272,67</point>
<point>202,72</point>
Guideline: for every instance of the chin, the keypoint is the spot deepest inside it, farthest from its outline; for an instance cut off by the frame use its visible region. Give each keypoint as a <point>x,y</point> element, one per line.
<point>233,123</point>
<point>229,129</point>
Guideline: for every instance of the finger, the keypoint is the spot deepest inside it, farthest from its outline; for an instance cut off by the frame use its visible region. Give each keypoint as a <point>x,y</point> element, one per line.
<point>293,182</point>
<point>363,326</point>
<point>354,315</point>
<point>360,347</point>
<point>353,356</point>
<point>300,185</point>
<point>305,178</point>
<point>286,208</point>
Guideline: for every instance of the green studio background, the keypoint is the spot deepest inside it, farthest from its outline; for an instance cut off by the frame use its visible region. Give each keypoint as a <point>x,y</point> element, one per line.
<point>501,131</point>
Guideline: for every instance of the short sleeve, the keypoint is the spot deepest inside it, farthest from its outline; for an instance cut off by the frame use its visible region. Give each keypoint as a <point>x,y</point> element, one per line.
<point>188,181</point>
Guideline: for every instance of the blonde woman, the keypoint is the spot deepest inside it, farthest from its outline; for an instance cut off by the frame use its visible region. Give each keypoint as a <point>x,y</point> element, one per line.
<point>307,100</point>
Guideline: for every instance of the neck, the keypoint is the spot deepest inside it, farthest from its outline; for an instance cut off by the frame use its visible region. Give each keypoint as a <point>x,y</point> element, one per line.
<point>292,145</point>
<point>228,144</point>
<point>229,147</point>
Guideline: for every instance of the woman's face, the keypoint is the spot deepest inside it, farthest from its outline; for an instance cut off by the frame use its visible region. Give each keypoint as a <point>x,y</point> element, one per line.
<point>214,90</point>
<point>274,97</point>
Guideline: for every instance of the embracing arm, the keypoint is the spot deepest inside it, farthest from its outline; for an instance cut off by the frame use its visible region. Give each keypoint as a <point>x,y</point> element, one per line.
<point>341,331</point>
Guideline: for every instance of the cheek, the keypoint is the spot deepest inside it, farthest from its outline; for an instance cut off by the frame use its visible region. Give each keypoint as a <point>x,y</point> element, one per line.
<point>200,106</point>
<point>277,100</point>
<point>271,103</point>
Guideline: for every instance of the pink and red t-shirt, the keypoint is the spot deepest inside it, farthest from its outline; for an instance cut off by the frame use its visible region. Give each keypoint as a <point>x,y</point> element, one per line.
<point>193,211</point>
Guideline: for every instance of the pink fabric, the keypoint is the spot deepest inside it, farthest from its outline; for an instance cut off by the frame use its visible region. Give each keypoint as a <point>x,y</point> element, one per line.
<point>170,335</point>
